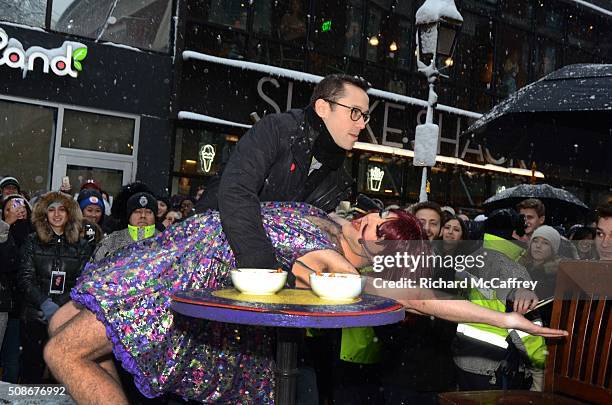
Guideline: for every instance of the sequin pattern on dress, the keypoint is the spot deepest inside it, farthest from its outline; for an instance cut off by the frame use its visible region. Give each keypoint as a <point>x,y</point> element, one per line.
<point>207,361</point>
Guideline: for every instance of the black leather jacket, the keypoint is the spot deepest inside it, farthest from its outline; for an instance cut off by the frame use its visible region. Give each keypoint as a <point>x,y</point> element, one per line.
<point>271,163</point>
<point>39,260</point>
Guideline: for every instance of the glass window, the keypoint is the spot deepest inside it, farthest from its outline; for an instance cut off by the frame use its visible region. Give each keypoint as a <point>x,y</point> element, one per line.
<point>518,12</point>
<point>232,13</point>
<point>353,36</point>
<point>547,57</point>
<point>577,55</point>
<point>201,152</point>
<point>337,27</point>
<point>25,125</point>
<point>227,44</point>
<point>143,24</point>
<point>96,132</point>
<point>474,54</point>
<point>80,17</point>
<point>513,60</point>
<point>262,17</point>
<point>582,29</point>
<point>198,155</point>
<point>110,179</point>
<point>293,23</point>
<point>487,7</point>
<point>30,13</point>
<point>373,34</point>
<point>549,18</point>
<point>380,176</point>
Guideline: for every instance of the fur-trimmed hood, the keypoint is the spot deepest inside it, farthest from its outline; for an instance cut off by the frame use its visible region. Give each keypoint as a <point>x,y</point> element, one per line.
<point>72,229</point>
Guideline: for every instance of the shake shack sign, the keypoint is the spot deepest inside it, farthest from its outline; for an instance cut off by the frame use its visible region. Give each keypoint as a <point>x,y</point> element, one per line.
<point>66,60</point>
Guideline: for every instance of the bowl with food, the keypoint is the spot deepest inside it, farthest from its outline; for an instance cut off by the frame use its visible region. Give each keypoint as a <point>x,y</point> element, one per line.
<point>258,281</point>
<point>337,286</point>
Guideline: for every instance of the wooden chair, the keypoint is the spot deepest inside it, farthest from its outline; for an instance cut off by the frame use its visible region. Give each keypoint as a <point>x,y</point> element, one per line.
<point>579,367</point>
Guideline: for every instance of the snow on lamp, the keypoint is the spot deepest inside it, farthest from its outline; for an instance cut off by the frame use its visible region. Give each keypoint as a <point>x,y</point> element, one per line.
<point>438,24</point>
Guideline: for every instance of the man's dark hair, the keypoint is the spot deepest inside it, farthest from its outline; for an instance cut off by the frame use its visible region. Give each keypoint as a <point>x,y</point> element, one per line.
<point>332,87</point>
<point>604,211</point>
<point>533,203</point>
<point>430,205</point>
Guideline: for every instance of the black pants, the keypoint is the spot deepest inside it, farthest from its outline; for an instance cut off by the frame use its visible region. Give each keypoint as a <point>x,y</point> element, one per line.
<point>33,339</point>
<point>475,382</point>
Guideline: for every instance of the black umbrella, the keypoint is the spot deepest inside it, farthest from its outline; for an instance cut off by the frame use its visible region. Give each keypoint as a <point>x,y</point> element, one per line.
<point>561,205</point>
<point>565,119</point>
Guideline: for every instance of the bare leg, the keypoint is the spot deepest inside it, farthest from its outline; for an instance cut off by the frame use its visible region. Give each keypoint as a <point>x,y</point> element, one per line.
<point>71,356</point>
<point>61,318</point>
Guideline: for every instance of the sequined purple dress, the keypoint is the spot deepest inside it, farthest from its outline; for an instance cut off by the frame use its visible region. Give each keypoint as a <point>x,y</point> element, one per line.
<point>166,352</point>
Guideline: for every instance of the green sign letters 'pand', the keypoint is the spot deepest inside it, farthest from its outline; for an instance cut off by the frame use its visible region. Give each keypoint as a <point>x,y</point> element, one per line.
<point>60,60</point>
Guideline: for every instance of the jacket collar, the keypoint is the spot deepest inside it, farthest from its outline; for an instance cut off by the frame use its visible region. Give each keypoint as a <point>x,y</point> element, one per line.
<point>314,139</point>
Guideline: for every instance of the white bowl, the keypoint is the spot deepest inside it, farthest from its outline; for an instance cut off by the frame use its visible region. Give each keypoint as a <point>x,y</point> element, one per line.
<point>337,286</point>
<point>258,281</point>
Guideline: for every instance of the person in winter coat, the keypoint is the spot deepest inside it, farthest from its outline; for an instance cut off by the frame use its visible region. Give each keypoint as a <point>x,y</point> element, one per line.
<point>52,259</point>
<point>542,260</point>
<point>141,211</point>
<point>293,156</point>
<point>15,213</point>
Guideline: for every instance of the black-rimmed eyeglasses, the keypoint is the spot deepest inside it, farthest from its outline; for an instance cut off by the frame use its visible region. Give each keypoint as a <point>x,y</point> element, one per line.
<point>356,113</point>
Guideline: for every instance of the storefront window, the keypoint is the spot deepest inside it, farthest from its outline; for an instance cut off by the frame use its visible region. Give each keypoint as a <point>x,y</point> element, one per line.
<point>474,57</point>
<point>96,132</point>
<point>549,18</point>
<point>487,7</point>
<point>24,12</point>
<point>353,36</point>
<point>232,13</point>
<point>143,24</point>
<point>226,44</point>
<point>373,34</point>
<point>513,60</point>
<point>25,125</point>
<point>293,23</point>
<point>518,12</point>
<point>198,155</point>
<point>547,57</point>
<point>380,176</point>
<point>577,55</point>
<point>582,29</point>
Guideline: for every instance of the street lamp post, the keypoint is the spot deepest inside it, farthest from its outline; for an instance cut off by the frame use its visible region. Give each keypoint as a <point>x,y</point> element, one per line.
<point>438,24</point>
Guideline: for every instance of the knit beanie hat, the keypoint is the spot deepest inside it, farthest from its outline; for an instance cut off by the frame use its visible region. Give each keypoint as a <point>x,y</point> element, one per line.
<point>9,181</point>
<point>141,200</point>
<point>90,197</point>
<point>550,234</point>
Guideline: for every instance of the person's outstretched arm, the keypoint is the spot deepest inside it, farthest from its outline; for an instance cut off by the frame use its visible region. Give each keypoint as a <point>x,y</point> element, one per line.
<point>440,305</point>
<point>239,205</point>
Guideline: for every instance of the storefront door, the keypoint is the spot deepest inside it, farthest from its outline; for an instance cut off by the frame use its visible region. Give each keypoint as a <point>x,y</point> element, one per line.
<point>111,174</point>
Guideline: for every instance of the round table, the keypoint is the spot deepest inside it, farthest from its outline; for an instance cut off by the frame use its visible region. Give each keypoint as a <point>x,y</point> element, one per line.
<point>286,311</point>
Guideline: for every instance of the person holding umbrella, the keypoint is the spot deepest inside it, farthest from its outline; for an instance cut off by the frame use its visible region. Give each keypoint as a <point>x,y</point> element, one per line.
<point>534,212</point>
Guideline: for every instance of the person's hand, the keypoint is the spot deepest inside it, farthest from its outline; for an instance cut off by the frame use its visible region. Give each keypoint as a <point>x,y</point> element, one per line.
<point>12,213</point>
<point>524,300</point>
<point>514,320</point>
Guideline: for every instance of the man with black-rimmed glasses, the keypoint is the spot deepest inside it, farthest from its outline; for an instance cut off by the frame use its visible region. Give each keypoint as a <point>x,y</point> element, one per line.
<point>293,156</point>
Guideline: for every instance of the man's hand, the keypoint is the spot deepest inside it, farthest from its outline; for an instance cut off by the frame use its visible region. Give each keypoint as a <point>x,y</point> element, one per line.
<point>517,321</point>
<point>524,300</point>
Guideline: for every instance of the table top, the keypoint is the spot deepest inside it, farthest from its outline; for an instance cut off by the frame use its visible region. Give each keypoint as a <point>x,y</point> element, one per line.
<point>288,308</point>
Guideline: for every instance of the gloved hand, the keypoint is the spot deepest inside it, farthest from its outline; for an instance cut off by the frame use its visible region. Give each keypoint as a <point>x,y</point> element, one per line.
<point>48,308</point>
